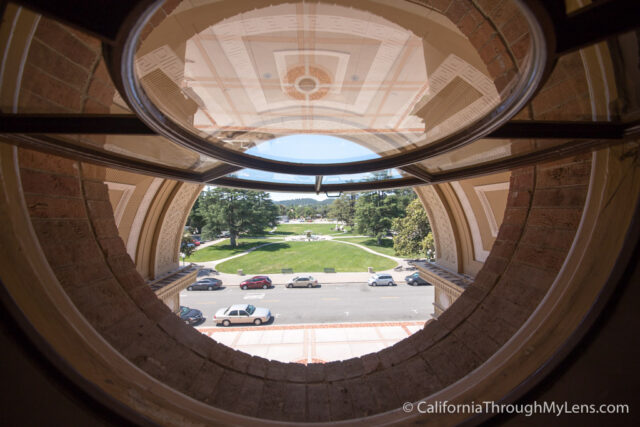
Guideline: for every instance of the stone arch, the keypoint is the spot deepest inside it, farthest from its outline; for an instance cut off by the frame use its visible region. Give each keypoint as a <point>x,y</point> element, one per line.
<point>446,352</point>
<point>171,227</point>
<point>447,249</point>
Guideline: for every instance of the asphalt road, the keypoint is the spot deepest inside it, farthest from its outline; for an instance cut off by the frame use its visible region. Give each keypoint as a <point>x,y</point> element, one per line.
<point>329,303</point>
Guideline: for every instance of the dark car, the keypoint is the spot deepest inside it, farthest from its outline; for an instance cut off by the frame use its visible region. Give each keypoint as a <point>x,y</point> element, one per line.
<point>256,282</point>
<point>190,316</point>
<point>415,279</point>
<point>206,284</point>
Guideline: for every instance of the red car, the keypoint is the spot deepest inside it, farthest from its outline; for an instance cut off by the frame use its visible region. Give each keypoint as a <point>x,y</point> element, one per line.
<point>256,282</point>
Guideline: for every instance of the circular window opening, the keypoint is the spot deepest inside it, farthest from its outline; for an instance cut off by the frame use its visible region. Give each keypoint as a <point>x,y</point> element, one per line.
<point>402,76</point>
<point>320,283</point>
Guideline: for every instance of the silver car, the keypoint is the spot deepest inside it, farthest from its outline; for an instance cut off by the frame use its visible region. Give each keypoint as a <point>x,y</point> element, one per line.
<point>381,279</point>
<point>302,282</point>
<point>242,313</point>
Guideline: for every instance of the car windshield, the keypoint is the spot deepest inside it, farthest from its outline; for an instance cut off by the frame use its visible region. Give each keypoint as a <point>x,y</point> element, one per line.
<point>250,309</point>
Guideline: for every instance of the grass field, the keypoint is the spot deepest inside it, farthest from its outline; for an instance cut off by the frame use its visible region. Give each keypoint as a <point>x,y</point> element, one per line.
<point>371,243</point>
<point>306,257</point>
<point>223,249</point>
<point>291,229</point>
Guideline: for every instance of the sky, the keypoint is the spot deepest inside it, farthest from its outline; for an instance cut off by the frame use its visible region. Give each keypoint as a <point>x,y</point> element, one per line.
<point>312,149</point>
<point>278,197</point>
<point>316,149</point>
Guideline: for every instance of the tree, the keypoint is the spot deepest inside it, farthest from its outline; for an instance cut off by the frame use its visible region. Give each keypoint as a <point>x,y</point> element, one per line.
<point>236,211</point>
<point>343,209</point>
<point>429,246</point>
<point>412,231</point>
<point>376,210</point>
<point>374,213</point>
<point>195,221</point>
<point>187,247</point>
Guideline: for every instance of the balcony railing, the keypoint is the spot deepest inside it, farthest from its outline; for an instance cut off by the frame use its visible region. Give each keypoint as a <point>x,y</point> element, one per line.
<point>168,287</point>
<point>448,285</point>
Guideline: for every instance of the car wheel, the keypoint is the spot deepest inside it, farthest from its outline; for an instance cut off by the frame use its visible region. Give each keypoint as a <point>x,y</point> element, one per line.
<point>257,322</point>
<point>392,284</point>
<point>190,288</point>
<point>244,287</point>
<point>374,284</point>
<point>289,285</point>
<point>264,286</point>
<point>210,288</point>
<point>225,323</point>
<point>309,285</point>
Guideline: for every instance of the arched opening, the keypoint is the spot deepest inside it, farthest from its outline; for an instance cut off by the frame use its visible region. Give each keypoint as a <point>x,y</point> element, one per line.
<point>567,232</point>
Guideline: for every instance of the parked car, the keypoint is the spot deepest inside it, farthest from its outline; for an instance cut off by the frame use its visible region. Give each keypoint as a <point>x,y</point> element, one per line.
<point>381,280</point>
<point>242,313</point>
<point>190,316</point>
<point>256,282</point>
<point>196,242</point>
<point>302,282</point>
<point>415,279</point>
<point>206,284</point>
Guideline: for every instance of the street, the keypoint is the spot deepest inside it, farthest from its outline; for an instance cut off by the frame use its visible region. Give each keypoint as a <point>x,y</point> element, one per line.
<point>329,303</point>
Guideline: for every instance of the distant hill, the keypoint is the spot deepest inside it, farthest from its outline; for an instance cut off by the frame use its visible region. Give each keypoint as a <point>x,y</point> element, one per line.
<point>304,202</point>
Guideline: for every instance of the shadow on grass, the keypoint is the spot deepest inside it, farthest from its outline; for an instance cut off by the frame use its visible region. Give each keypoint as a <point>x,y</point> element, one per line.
<point>273,247</point>
<point>386,243</point>
<point>282,233</point>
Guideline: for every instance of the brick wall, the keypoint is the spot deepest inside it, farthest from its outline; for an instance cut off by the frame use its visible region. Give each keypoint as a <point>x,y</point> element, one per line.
<point>74,222</point>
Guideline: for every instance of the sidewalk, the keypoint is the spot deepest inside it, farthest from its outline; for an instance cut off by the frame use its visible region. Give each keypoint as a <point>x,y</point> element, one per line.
<point>317,343</point>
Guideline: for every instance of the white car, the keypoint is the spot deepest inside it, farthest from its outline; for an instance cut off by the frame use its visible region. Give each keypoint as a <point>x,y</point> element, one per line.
<point>242,313</point>
<point>302,282</point>
<point>381,280</point>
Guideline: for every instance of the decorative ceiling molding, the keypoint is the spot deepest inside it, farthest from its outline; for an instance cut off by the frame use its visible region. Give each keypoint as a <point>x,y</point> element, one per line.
<point>481,191</point>
<point>141,214</point>
<point>480,253</point>
<point>121,206</point>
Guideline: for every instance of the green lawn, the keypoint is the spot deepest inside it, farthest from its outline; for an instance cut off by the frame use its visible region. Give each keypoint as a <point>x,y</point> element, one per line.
<point>307,257</point>
<point>371,243</point>
<point>291,229</point>
<point>223,249</point>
